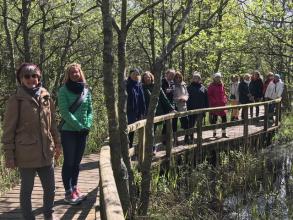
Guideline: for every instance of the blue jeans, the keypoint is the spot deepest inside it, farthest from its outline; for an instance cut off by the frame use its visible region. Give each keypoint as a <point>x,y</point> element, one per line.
<point>27,176</point>
<point>73,144</point>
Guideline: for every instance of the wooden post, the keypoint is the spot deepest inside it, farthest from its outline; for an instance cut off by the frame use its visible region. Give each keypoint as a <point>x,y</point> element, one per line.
<point>199,135</point>
<point>266,119</point>
<point>278,113</point>
<point>141,145</point>
<point>169,138</point>
<point>245,128</point>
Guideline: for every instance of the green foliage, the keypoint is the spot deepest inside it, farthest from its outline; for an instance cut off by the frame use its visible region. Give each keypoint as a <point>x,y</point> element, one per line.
<point>8,177</point>
<point>285,134</point>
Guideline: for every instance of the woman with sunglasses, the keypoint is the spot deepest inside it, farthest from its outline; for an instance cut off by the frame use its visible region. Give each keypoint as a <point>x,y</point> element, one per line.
<point>30,138</point>
<point>75,130</point>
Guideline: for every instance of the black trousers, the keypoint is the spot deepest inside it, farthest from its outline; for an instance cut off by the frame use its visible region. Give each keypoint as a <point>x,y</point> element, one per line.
<point>184,122</point>
<point>250,111</point>
<point>192,119</point>
<point>214,119</point>
<point>174,126</point>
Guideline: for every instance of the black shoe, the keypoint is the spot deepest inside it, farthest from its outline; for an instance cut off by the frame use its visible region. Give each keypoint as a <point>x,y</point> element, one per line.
<point>186,139</point>
<point>224,135</point>
<point>191,138</point>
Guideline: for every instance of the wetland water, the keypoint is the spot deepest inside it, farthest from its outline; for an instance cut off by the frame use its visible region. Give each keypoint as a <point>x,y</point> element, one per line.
<point>244,186</point>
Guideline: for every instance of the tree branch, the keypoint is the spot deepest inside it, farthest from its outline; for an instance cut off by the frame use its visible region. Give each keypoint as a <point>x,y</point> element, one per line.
<point>130,22</point>
<point>58,25</point>
<point>206,26</point>
<point>116,26</point>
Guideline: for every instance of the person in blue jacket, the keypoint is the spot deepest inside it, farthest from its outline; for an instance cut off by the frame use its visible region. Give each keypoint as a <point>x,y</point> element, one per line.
<point>245,96</point>
<point>198,97</point>
<point>256,89</point>
<point>136,107</point>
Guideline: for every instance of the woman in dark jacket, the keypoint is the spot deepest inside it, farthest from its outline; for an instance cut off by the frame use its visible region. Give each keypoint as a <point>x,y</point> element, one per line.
<point>136,107</point>
<point>256,89</point>
<point>168,88</point>
<point>198,97</point>
<point>164,105</point>
<point>245,96</point>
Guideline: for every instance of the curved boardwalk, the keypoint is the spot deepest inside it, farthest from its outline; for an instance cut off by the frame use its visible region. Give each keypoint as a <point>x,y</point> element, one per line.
<point>88,183</point>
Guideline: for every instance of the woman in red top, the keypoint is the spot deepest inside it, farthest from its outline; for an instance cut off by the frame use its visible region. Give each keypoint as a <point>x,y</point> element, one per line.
<point>217,98</point>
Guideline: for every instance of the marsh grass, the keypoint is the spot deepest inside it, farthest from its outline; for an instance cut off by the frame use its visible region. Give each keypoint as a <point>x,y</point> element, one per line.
<point>244,186</point>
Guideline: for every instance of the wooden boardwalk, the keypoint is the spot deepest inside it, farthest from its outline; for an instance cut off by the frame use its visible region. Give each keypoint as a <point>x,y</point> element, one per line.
<point>208,139</point>
<point>88,183</point>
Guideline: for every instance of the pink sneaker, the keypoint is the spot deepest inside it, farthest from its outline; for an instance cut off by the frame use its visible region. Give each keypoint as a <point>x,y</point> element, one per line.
<point>72,198</point>
<point>80,195</point>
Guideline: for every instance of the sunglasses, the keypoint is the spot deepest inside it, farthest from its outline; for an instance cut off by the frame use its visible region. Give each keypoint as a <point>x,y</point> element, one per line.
<point>34,76</point>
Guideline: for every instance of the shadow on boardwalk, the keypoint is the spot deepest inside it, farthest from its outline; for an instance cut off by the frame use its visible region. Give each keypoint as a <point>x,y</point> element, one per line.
<point>88,183</point>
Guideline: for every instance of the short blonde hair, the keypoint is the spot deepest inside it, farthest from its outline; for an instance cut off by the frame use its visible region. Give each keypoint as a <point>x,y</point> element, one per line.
<point>179,75</point>
<point>270,74</point>
<point>170,71</point>
<point>67,72</point>
<point>246,75</point>
<point>147,73</point>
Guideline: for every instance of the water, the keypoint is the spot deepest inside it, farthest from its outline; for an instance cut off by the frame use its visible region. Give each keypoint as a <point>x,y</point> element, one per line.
<point>273,197</point>
<point>246,186</point>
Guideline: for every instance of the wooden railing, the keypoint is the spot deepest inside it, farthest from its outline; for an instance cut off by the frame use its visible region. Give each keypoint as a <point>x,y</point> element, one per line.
<point>199,128</point>
<point>111,208</point>
<point>109,195</point>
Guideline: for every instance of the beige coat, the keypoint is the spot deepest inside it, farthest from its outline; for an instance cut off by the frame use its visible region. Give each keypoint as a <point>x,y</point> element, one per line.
<point>29,131</point>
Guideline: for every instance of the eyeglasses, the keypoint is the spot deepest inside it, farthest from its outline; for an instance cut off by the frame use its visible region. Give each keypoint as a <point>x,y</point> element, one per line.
<point>34,76</point>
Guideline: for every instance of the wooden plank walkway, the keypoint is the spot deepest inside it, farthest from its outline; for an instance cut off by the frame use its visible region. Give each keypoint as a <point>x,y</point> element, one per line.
<point>208,139</point>
<point>88,183</point>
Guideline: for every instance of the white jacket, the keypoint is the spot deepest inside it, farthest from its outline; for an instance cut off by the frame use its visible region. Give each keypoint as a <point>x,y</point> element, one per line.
<point>234,90</point>
<point>274,90</point>
<point>180,92</point>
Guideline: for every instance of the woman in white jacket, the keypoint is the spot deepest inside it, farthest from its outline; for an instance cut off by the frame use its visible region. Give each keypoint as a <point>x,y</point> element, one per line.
<point>180,96</point>
<point>274,90</point>
<point>234,97</point>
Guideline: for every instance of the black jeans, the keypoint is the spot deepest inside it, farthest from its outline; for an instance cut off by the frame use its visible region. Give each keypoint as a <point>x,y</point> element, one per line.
<point>214,119</point>
<point>184,122</point>
<point>73,143</point>
<point>250,111</point>
<point>27,176</point>
<point>192,120</point>
<point>174,126</point>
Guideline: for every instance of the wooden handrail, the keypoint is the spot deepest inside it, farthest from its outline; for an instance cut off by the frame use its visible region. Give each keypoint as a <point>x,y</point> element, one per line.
<point>139,124</point>
<point>109,195</point>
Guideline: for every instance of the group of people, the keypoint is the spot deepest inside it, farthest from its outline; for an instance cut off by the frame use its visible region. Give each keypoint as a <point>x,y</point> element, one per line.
<point>176,95</point>
<point>31,138</point>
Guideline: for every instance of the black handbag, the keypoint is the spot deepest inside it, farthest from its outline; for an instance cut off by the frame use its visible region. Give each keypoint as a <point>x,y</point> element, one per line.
<point>74,106</point>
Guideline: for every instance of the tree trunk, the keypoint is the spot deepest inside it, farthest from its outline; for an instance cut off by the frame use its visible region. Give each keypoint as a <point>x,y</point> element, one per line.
<point>9,43</point>
<point>152,38</point>
<point>158,67</point>
<point>119,169</point>
<point>220,51</point>
<point>122,107</point>
<point>42,44</point>
<point>25,30</point>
